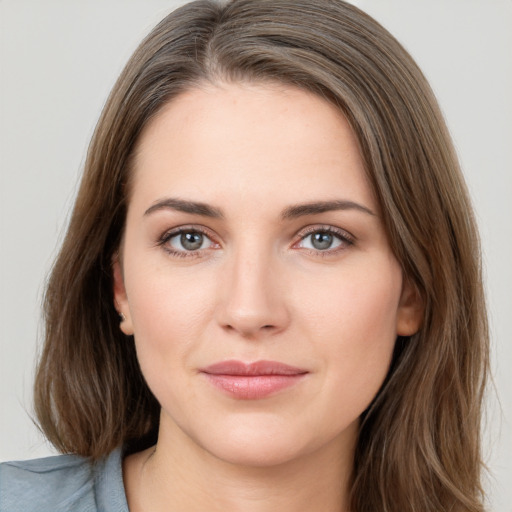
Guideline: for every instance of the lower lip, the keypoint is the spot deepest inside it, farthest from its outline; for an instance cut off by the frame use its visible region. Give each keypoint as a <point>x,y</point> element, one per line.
<point>253,387</point>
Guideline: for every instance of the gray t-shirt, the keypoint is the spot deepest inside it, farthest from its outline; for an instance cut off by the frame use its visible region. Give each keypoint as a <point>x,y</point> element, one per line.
<point>65,483</point>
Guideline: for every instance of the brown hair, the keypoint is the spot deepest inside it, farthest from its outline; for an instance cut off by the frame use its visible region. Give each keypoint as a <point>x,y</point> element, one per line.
<point>419,446</point>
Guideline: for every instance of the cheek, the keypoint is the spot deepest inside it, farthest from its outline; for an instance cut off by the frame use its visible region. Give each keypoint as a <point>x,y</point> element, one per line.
<point>169,312</point>
<point>166,323</point>
<point>354,327</point>
<point>164,300</point>
<point>362,308</point>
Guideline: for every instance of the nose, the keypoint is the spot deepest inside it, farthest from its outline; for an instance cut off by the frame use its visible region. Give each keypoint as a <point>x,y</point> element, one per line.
<point>253,296</point>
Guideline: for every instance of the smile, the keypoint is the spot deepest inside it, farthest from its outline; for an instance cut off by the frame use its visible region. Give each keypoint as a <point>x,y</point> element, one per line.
<point>252,381</point>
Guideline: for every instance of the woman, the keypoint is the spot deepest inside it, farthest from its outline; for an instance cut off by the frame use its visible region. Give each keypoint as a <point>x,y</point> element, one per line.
<point>269,296</point>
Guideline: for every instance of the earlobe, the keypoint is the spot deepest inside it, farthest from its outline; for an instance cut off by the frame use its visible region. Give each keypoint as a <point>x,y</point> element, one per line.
<point>120,298</point>
<point>410,310</point>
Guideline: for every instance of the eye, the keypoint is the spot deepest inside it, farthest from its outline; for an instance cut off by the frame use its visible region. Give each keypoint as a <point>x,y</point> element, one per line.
<point>182,241</point>
<point>325,240</point>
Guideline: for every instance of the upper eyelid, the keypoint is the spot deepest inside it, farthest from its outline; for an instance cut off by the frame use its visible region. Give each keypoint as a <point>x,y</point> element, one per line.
<point>169,233</point>
<point>308,230</point>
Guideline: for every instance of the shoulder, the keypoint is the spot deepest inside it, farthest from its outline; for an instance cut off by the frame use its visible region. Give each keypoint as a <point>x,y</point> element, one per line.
<point>62,483</point>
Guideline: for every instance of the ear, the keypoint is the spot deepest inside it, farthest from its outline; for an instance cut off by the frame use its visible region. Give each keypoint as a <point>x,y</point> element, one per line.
<point>120,297</point>
<point>410,310</point>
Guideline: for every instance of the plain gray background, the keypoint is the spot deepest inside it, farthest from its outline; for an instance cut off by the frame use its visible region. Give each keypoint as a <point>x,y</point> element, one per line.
<point>58,61</point>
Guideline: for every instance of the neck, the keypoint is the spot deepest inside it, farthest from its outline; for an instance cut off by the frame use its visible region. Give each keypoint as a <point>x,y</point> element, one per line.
<point>178,476</point>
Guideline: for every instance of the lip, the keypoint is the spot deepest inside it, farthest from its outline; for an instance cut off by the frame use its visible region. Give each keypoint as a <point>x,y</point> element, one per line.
<point>252,381</point>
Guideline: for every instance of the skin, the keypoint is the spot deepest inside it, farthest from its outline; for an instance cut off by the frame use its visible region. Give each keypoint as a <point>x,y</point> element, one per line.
<point>257,289</point>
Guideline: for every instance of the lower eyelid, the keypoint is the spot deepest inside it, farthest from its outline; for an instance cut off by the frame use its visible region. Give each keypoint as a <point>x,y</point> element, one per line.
<point>340,245</point>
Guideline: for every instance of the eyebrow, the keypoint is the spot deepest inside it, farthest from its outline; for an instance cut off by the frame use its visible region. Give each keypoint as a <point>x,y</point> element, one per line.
<point>314,208</point>
<point>292,212</point>
<point>196,208</point>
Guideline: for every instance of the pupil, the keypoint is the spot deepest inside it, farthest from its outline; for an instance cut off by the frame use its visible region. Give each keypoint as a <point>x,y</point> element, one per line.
<point>191,241</point>
<point>322,241</point>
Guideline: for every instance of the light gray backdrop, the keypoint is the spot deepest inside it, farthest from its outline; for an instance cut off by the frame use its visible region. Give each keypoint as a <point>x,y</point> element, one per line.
<point>59,58</point>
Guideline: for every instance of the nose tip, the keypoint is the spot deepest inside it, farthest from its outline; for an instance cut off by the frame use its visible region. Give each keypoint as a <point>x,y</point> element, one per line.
<point>248,325</point>
<point>255,317</point>
<point>252,302</point>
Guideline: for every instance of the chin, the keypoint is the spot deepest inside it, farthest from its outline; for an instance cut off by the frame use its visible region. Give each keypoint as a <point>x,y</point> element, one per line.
<point>268,444</point>
<point>258,451</point>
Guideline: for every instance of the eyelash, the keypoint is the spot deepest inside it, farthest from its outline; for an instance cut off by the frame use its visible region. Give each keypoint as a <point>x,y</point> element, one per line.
<point>343,236</point>
<point>168,235</point>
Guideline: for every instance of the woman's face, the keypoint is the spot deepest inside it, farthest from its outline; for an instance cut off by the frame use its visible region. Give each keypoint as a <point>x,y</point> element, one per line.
<point>256,276</point>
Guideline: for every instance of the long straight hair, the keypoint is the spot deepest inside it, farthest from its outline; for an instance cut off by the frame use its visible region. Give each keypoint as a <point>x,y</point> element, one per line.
<point>419,441</point>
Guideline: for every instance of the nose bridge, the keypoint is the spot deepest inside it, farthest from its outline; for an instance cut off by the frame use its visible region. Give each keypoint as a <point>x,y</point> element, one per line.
<point>252,300</point>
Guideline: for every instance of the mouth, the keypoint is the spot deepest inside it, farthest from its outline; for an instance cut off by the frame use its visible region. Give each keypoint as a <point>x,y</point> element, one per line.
<point>252,381</point>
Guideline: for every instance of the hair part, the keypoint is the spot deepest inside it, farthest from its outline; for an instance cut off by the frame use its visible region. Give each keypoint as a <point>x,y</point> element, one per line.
<point>419,443</point>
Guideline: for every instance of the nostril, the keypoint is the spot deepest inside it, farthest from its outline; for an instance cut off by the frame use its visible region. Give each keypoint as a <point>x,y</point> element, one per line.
<point>266,327</point>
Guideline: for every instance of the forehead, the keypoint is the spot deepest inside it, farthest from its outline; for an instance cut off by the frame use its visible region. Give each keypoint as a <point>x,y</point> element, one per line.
<point>251,142</point>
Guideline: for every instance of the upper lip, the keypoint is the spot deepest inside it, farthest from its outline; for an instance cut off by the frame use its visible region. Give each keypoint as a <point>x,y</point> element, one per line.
<point>256,368</point>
